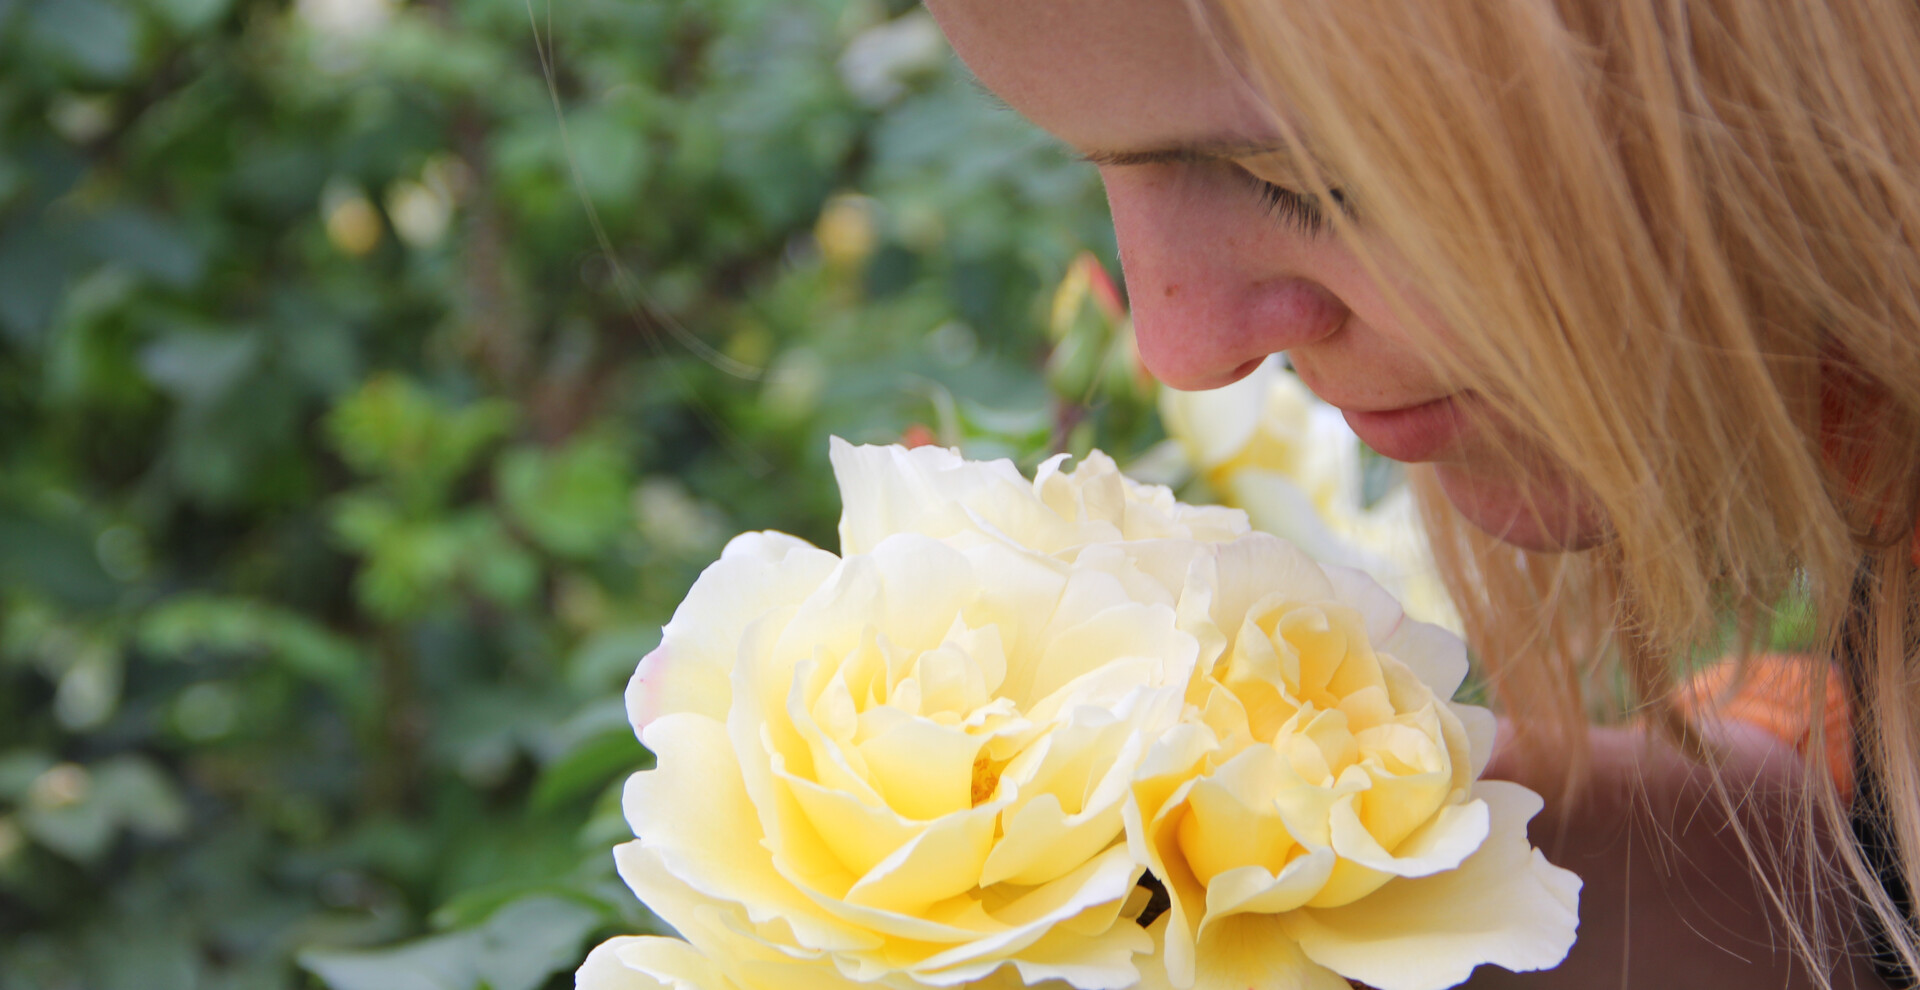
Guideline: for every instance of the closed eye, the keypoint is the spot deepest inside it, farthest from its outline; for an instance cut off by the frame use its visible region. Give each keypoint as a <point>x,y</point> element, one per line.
<point>1299,211</point>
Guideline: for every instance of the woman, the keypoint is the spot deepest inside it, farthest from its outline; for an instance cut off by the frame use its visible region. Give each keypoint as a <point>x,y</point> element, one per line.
<point>1636,282</point>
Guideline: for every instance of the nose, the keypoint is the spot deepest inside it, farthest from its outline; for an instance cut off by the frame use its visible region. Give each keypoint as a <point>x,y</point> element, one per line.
<point>1215,286</point>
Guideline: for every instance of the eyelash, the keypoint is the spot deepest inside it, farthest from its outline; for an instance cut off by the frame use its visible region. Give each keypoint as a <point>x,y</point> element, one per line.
<point>1298,210</point>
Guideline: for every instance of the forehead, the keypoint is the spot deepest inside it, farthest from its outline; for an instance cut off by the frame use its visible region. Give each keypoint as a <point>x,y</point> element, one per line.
<point>1105,75</point>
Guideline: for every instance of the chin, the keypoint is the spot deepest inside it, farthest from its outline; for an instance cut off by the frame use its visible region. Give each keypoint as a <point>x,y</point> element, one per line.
<point>1543,516</point>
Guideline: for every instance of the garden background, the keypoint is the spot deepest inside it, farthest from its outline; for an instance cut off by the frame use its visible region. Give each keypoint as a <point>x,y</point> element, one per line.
<point>374,379</point>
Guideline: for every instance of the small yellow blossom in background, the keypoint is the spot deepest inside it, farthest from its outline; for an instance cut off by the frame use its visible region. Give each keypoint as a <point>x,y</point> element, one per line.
<point>422,209</point>
<point>1267,445</point>
<point>353,224</point>
<point>847,230</point>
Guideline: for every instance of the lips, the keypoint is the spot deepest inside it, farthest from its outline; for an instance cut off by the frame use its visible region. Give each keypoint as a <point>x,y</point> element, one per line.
<point>1425,432</point>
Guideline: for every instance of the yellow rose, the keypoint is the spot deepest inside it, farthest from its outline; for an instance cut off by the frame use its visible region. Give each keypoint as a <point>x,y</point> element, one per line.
<point>1267,445</point>
<point>908,766</point>
<point>1268,422</point>
<point>1318,817</point>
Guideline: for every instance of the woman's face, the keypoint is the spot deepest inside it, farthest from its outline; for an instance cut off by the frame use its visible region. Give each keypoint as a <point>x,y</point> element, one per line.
<point>1221,270</point>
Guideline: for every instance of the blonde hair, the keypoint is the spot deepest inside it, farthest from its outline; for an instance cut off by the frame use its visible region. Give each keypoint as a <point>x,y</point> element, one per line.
<point>1662,232</point>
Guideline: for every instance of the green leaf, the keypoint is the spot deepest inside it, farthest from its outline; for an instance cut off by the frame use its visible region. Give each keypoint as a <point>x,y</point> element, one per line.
<point>408,569</point>
<point>322,356</point>
<point>587,768</point>
<point>473,907</point>
<point>181,627</point>
<point>200,366</point>
<point>94,37</point>
<point>572,501</point>
<point>609,155</point>
<point>394,430</point>
<point>122,793</point>
<point>144,800</point>
<point>147,244</point>
<point>81,831</point>
<point>363,519</point>
<point>190,15</point>
<point>19,769</point>
<point>56,556</point>
<point>518,948</point>
<point>608,658</point>
<point>34,269</point>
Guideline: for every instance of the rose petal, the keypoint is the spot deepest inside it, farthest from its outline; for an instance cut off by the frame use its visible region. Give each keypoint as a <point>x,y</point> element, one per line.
<point>1275,504</point>
<point>689,671</point>
<point>694,810</point>
<point>1101,882</point>
<point>1252,570</point>
<point>1436,656</point>
<point>943,861</point>
<point>1230,821</point>
<point>1482,730</point>
<point>1385,619</point>
<point>1505,905</point>
<point>1217,423</point>
<point>1258,890</point>
<point>1447,839</point>
<point>934,492</point>
<point>648,963</point>
<point>1252,952</point>
<point>1123,631</point>
<point>923,770</point>
<point>859,835</point>
<point>1102,961</point>
<point>725,931</point>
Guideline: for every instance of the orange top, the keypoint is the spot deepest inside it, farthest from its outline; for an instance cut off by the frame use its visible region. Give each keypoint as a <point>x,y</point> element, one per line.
<point>1773,692</point>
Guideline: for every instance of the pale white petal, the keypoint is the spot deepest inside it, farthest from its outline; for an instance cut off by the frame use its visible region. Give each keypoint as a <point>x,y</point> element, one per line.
<point>1446,840</point>
<point>1261,568</point>
<point>1243,952</point>
<point>604,969</point>
<point>748,952</point>
<point>1506,905</point>
<point>1275,504</point>
<point>1435,654</point>
<point>1127,630</point>
<point>943,861</point>
<point>934,492</point>
<point>1217,423</point>
<point>1102,961</point>
<point>1483,731</point>
<point>1253,889</point>
<point>689,671</point>
<point>1103,881</point>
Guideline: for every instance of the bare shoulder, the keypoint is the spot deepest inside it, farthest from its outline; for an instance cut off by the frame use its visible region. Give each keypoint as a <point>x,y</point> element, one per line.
<point>1671,899</point>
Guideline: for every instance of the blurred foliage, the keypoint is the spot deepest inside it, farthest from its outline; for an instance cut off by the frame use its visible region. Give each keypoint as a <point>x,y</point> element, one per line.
<point>367,403</point>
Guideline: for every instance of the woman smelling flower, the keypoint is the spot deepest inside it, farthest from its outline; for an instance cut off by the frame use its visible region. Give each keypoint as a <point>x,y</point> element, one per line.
<point>1634,281</point>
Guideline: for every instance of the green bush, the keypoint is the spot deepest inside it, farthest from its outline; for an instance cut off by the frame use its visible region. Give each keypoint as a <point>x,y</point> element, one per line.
<point>374,379</point>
